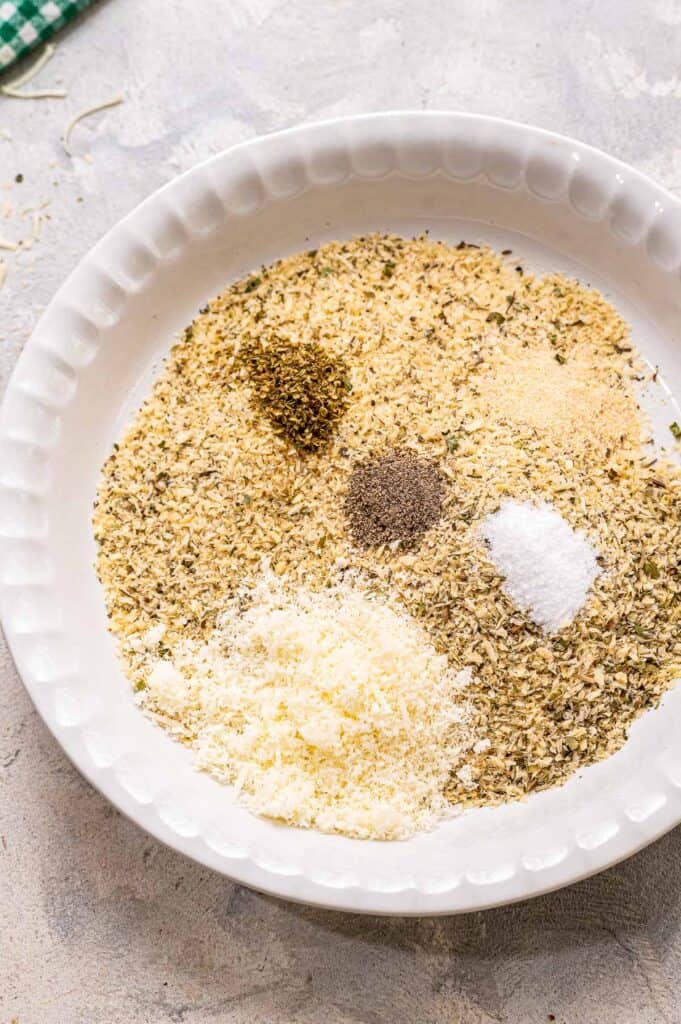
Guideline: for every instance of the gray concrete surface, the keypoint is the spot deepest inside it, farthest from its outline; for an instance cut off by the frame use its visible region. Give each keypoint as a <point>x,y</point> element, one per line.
<point>100,924</point>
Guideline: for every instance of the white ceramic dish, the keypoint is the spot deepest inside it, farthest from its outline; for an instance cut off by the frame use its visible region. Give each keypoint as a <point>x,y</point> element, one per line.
<point>559,205</point>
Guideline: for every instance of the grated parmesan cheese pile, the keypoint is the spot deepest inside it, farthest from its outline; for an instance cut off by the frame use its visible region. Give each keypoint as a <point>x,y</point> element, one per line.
<point>327,710</point>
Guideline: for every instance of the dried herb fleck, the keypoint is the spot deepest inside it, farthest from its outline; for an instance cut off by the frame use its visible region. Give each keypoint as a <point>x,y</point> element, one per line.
<point>651,569</point>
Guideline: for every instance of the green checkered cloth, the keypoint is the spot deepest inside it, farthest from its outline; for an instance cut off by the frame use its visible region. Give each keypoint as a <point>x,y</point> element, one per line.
<point>25,24</point>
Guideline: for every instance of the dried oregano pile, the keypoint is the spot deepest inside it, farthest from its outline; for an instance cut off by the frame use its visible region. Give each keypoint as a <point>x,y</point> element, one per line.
<point>360,411</point>
<point>300,389</point>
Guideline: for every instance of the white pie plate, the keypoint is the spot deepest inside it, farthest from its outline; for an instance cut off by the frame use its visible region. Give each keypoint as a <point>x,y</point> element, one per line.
<point>559,205</point>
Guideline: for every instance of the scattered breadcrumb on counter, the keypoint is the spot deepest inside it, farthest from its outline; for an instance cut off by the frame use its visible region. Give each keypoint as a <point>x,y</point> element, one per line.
<point>14,90</point>
<point>81,115</point>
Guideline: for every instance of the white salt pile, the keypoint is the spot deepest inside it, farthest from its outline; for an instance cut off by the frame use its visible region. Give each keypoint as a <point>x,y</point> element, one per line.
<point>548,566</point>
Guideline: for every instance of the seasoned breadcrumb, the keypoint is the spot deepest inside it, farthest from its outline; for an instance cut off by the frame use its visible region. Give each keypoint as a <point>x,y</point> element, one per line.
<point>518,386</point>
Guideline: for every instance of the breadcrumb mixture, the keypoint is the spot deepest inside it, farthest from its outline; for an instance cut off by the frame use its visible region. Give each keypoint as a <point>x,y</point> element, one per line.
<point>517,386</point>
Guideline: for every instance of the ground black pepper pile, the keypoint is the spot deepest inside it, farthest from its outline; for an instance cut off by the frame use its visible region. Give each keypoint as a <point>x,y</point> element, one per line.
<point>300,388</point>
<point>395,497</point>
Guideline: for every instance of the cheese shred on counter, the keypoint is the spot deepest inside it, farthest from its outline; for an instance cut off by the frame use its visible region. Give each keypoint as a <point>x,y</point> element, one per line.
<point>326,710</point>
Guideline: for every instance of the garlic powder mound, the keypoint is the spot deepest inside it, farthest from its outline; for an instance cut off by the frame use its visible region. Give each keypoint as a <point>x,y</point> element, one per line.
<point>327,710</point>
